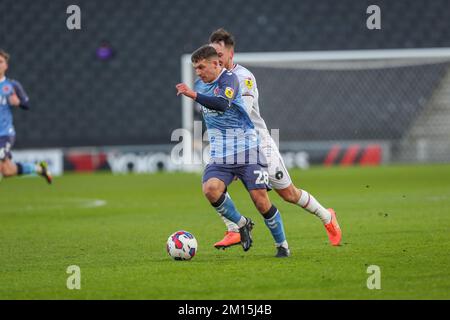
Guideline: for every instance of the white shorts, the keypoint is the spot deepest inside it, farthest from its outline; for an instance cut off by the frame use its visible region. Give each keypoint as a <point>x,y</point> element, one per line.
<point>278,174</point>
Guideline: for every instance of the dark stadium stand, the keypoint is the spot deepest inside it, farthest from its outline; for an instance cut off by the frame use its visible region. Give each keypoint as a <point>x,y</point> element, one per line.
<point>79,100</point>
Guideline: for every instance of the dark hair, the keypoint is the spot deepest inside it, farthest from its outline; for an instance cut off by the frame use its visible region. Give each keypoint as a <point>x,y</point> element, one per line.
<point>204,52</point>
<point>222,35</point>
<point>4,54</point>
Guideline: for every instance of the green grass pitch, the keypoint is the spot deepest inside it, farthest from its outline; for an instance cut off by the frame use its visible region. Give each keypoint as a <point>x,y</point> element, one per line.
<point>115,228</point>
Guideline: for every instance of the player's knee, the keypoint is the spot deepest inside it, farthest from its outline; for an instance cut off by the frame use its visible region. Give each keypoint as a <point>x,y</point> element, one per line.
<point>212,190</point>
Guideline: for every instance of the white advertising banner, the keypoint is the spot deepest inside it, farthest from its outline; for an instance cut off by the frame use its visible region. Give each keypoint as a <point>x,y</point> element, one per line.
<point>54,158</point>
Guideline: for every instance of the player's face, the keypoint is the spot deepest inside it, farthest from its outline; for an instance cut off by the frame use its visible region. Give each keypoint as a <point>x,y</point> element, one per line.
<point>3,66</point>
<point>225,54</point>
<point>207,70</point>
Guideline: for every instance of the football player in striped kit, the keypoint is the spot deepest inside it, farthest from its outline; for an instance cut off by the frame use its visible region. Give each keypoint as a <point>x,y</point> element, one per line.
<point>234,148</point>
<point>279,178</point>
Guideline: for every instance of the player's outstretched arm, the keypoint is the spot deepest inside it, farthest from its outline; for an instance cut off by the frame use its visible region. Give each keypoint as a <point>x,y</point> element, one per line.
<point>213,103</point>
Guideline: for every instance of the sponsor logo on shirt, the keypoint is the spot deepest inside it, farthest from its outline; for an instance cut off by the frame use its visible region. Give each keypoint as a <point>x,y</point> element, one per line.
<point>7,89</point>
<point>207,111</point>
<point>249,83</point>
<point>229,92</point>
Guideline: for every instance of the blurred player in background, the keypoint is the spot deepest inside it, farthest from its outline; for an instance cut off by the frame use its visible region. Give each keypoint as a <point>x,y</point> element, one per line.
<point>279,177</point>
<point>234,148</point>
<point>12,95</point>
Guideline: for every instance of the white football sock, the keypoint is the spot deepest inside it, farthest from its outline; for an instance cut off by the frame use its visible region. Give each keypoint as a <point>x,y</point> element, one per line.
<point>309,203</point>
<point>242,222</point>
<point>231,226</point>
<point>284,244</point>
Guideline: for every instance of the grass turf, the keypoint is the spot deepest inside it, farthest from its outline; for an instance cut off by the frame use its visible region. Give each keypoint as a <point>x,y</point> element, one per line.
<point>115,228</point>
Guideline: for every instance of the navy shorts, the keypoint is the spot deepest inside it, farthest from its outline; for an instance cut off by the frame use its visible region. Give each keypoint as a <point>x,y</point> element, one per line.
<point>6,143</point>
<point>254,176</point>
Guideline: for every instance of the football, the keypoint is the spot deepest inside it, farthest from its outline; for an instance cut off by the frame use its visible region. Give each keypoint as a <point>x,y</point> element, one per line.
<point>182,245</point>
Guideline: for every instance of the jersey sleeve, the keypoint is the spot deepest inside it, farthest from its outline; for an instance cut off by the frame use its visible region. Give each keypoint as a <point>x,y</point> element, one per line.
<point>20,91</point>
<point>247,84</point>
<point>228,87</point>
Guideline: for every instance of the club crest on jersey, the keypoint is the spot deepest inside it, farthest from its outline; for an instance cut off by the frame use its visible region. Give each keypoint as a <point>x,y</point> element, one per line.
<point>229,92</point>
<point>279,174</point>
<point>216,91</point>
<point>249,83</point>
<point>7,89</point>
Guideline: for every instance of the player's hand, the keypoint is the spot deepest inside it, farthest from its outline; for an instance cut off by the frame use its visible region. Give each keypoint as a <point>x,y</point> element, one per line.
<point>14,100</point>
<point>183,89</point>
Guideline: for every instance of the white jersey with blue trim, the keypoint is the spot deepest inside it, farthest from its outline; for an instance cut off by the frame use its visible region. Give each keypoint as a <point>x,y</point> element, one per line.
<point>249,87</point>
<point>278,174</point>
<point>232,131</point>
<point>6,117</point>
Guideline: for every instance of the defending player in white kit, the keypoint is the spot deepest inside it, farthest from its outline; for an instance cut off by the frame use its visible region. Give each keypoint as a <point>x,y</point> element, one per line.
<point>278,174</point>
<point>279,177</point>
